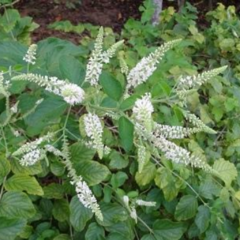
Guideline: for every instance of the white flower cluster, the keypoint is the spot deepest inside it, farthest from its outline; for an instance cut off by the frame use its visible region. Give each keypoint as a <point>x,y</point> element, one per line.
<point>84,193</point>
<point>98,58</point>
<point>87,198</point>
<point>147,65</point>
<point>185,83</point>
<point>140,202</point>
<point>94,131</point>
<point>4,85</point>
<point>171,151</point>
<point>131,206</point>
<point>70,92</point>
<point>30,56</point>
<point>198,123</point>
<point>142,157</point>
<point>178,154</point>
<point>142,111</point>
<point>174,132</point>
<point>14,108</point>
<point>32,152</point>
<point>52,149</point>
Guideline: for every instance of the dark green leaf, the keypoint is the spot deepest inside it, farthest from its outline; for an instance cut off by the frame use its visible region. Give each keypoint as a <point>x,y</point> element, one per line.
<point>95,232</point>
<point>10,228</point>
<point>15,204</point>
<point>202,218</point>
<point>186,208</point>
<point>79,215</point>
<point>126,133</point>
<point>165,229</point>
<point>111,86</point>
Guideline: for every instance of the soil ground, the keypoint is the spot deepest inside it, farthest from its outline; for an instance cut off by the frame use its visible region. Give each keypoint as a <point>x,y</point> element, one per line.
<point>112,13</point>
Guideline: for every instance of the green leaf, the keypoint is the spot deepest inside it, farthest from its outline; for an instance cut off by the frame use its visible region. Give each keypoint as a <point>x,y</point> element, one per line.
<point>79,215</point>
<point>17,168</point>
<point>115,236</point>
<point>15,204</point>
<point>202,219</point>
<point>53,190</point>
<point>9,19</point>
<point>165,229</point>
<point>61,210</point>
<point>112,213</point>
<point>147,175</point>
<point>118,179</point>
<point>128,103</point>
<point>57,168</point>
<point>27,232</point>
<point>126,129</point>
<point>95,232</point>
<point>148,237</point>
<point>71,69</point>
<point>225,171</point>
<point>91,171</point>
<point>124,229</point>
<point>117,161</point>
<point>62,237</point>
<point>10,228</point>
<point>80,152</point>
<point>4,168</point>
<point>111,86</point>
<point>48,112</point>
<point>23,182</point>
<point>186,208</point>
<point>165,181</point>
<point>208,188</point>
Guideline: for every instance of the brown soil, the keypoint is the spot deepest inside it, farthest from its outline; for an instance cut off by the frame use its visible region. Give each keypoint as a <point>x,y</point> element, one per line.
<point>112,13</point>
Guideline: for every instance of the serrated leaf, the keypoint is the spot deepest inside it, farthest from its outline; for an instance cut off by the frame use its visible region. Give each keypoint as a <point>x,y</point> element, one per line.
<point>225,170</point>
<point>186,208</point>
<point>123,229</point>
<point>118,179</point>
<point>92,172</point>
<point>165,229</point>
<point>4,168</point>
<point>80,152</point>
<point>95,232</point>
<point>10,228</point>
<point>24,182</point>
<point>17,168</point>
<point>111,86</point>
<point>165,181</point>
<point>147,175</point>
<point>202,218</point>
<point>79,215</point>
<point>15,204</point>
<point>117,161</point>
<point>112,213</point>
<point>61,210</point>
<point>208,188</point>
<point>53,190</point>
<point>125,128</point>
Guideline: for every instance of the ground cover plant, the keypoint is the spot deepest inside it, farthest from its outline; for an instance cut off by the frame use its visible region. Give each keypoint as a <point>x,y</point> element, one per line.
<point>122,139</point>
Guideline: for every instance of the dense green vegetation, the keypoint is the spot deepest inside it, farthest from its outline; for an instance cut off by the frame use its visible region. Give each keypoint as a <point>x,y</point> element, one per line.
<point>39,202</point>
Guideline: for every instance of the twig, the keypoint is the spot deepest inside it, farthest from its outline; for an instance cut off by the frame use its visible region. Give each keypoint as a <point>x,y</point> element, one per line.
<point>9,4</point>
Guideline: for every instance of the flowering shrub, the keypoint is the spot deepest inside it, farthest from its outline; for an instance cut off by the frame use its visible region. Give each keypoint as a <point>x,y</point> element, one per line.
<point>107,127</point>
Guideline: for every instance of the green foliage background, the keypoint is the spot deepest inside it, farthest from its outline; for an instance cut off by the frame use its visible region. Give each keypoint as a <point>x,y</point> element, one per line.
<point>39,203</point>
